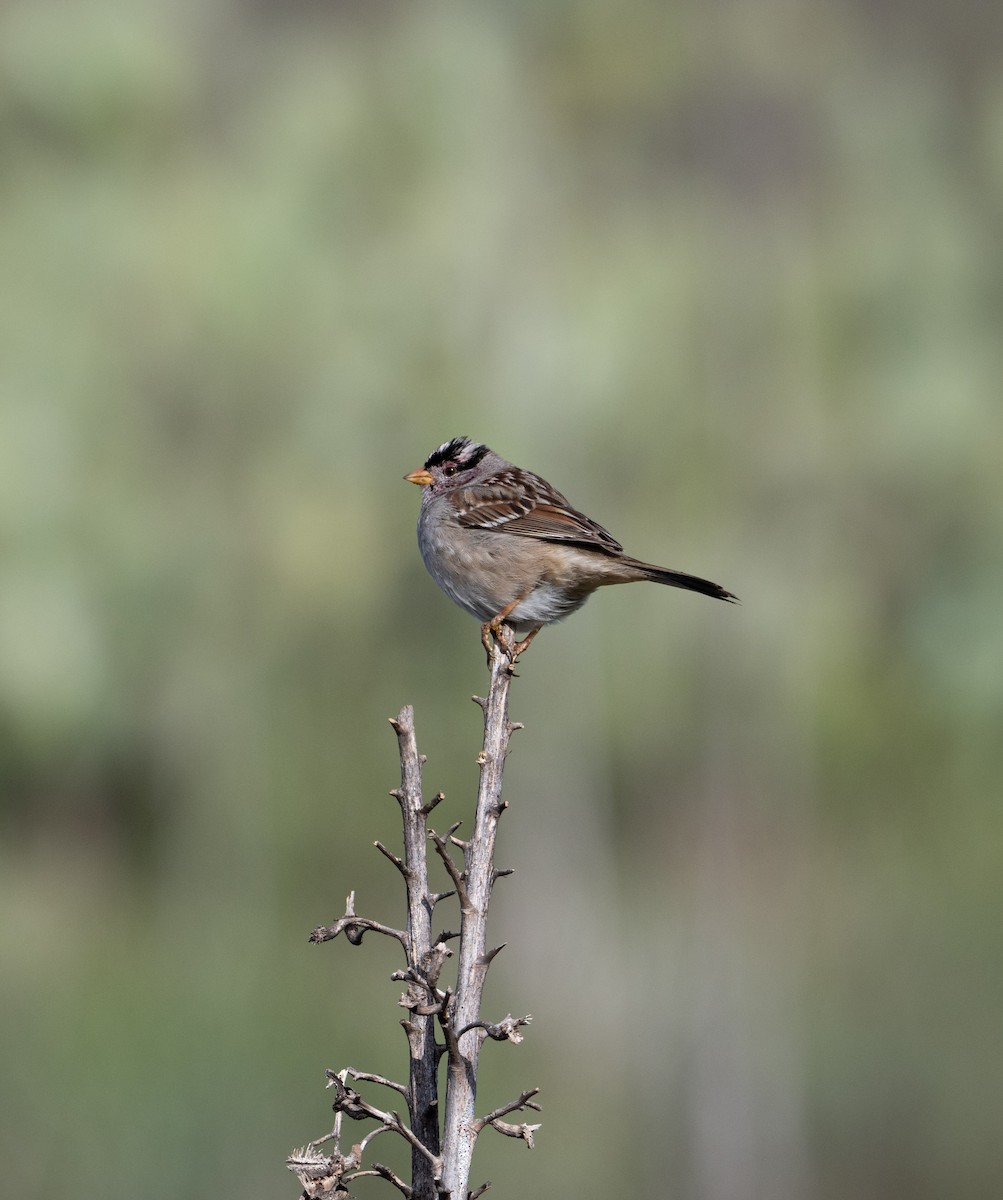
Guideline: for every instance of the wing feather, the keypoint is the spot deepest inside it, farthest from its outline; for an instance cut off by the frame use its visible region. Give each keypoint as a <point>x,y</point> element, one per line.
<point>536,511</point>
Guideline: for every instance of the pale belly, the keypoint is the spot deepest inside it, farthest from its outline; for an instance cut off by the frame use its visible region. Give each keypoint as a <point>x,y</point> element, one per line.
<point>483,573</point>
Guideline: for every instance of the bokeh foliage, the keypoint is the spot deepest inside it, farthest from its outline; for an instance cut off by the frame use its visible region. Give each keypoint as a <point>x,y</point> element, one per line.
<point>730,275</point>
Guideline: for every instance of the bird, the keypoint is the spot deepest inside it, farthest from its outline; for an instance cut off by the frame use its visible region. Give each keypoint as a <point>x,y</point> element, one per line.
<point>510,549</point>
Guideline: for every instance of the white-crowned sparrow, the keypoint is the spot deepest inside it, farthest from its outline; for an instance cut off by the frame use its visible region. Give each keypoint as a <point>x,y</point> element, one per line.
<point>510,549</point>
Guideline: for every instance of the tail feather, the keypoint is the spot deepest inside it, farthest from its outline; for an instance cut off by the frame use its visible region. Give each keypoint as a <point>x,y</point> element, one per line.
<point>680,579</point>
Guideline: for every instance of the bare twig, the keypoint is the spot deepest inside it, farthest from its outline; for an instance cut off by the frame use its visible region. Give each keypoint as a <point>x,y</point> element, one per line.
<point>507,1030</point>
<point>446,1025</point>
<point>423,1095</point>
<point>359,1148</point>
<point>350,1102</point>
<point>437,1174</point>
<point>390,1177</point>
<point>524,1101</point>
<point>367,1077</point>
<point>455,874</point>
<point>436,799</point>
<point>526,1132</point>
<point>398,863</point>
<point>459,1133</point>
<point>355,927</point>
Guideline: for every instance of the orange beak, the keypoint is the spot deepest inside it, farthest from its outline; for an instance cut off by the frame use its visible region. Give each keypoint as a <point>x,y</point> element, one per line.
<point>421,477</point>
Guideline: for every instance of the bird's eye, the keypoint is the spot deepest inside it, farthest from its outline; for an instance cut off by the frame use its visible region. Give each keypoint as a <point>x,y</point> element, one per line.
<point>450,469</point>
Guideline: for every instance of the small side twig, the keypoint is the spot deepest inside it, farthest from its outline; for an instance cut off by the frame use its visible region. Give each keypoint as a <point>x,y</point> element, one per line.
<point>357,1108</point>
<point>355,927</point>
<point>525,1132</point>
<point>395,859</point>
<point>455,874</point>
<point>384,1172</point>
<point>507,1029</point>
<point>429,805</point>
<point>369,1077</point>
<point>524,1101</point>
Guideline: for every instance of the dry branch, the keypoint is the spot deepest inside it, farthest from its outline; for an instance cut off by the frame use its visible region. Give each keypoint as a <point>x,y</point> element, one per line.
<point>440,1162</point>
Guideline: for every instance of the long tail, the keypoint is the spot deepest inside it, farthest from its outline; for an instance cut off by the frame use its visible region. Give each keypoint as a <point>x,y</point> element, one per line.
<point>681,580</point>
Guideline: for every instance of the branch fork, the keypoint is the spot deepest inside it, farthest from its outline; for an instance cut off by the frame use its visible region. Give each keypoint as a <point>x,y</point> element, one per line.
<point>440,1158</point>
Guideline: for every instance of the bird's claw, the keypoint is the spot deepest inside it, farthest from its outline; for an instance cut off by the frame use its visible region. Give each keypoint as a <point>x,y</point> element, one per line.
<point>498,637</point>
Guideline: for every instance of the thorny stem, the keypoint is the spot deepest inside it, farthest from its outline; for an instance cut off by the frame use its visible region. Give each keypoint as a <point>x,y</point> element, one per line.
<point>460,1130</point>
<point>423,1099</point>
<point>436,1175</point>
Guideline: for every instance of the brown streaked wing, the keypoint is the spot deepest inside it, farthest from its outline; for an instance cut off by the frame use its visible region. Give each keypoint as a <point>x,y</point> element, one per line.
<point>548,516</point>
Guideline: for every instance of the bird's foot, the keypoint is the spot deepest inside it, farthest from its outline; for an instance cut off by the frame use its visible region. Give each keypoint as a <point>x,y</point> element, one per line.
<point>521,647</point>
<point>486,641</point>
<point>497,637</point>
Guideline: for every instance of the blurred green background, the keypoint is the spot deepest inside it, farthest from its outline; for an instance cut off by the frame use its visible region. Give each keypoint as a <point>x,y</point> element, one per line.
<point>730,275</point>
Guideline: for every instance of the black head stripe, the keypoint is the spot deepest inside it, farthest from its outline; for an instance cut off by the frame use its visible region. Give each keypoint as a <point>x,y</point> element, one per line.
<point>460,450</point>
